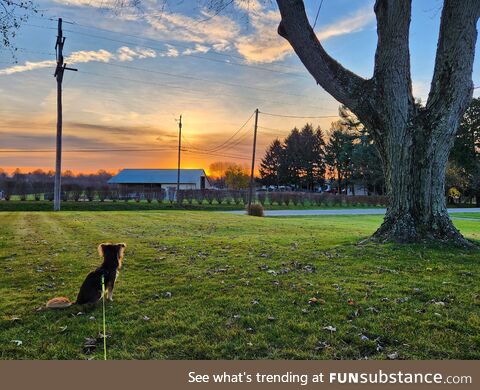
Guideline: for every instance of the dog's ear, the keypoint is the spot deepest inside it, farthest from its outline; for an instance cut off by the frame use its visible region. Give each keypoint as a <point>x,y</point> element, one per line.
<point>101,248</point>
<point>122,245</point>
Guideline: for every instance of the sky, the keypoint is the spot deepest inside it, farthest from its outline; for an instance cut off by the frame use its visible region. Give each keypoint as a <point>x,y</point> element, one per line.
<point>140,69</point>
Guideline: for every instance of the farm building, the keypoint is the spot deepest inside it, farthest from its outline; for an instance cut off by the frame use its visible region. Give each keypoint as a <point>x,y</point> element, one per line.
<point>156,179</point>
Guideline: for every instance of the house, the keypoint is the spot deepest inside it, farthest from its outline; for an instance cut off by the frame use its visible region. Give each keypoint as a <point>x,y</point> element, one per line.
<point>140,180</point>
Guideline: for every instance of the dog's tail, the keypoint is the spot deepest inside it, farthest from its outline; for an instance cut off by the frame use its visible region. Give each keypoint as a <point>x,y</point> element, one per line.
<point>59,303</point>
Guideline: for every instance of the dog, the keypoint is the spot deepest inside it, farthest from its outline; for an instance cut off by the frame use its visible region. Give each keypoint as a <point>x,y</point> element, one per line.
<point>91,289</point>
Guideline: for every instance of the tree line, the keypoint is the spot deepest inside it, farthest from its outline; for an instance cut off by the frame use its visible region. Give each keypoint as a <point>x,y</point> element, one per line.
<point>40,183</point>
<point>308,159</point>
<point>346,158</point>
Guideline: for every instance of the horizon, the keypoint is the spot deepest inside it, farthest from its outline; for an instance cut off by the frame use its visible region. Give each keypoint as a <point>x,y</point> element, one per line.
<point>138,72</point>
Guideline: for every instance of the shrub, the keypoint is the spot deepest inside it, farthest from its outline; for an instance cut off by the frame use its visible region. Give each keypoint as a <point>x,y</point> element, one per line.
<point>189,195</point>
<point>209,195</point>
<point>171,194</point>
<point>255,210</point>
<point>149,195</point>
<point>237,197</point>
<point>262,198</point>
<point>199,196</point>
<point>181,194</point>
<point>220,196</point>
<point>160,195</point>
<point>90,193</point>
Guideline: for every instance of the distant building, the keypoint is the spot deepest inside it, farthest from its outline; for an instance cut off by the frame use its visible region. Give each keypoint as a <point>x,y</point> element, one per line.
<point>155,179</point>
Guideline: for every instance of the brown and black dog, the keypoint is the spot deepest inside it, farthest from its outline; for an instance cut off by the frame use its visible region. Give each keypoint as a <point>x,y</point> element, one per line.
<point>91,289</point>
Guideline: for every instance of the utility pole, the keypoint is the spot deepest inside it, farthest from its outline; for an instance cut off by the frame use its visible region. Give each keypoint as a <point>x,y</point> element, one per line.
<point>61,67</point>
<point>179,150</point>
<point>252,172</point>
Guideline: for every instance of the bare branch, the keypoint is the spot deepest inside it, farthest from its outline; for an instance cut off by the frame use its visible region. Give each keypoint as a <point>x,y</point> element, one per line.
<point>341,83</point>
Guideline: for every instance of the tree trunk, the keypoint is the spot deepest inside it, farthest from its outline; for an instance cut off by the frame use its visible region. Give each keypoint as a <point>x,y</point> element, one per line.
<point>415,179</point>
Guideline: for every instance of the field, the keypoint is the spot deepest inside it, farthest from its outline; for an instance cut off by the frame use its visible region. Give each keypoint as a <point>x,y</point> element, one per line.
<point>204,285</point>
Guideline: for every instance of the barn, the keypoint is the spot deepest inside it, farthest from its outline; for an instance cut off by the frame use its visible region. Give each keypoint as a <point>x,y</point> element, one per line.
<point>156,179</point>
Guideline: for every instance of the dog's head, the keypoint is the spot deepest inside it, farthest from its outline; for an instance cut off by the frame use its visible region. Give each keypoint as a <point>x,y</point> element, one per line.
<point>112,252</point>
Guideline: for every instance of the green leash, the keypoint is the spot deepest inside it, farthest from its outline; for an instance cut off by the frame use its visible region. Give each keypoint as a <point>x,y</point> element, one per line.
<point>104,324</point>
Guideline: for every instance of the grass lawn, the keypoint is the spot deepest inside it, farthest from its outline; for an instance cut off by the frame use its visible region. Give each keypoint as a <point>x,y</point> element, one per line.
<point>203,285</point>
<point>466,215</point>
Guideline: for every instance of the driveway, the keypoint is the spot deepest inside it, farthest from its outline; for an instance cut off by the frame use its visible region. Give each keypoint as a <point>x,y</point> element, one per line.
<point>291,213</point>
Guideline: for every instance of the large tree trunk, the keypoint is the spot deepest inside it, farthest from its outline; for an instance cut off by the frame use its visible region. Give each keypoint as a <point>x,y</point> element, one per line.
<point>415,178</point>
<point>413,141</point>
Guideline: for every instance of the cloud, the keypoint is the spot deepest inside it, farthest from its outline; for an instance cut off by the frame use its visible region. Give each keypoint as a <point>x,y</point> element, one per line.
<point>198,49</point>
<point>26,67</point>
<point>171,51</point>
<point>123,54</point>
<point>219,31</point>
<point>265,45</point>
<point>351,24</point>
<point>127,54</point>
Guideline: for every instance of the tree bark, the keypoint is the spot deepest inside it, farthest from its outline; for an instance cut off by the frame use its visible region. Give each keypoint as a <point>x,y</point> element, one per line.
<point>413,141</point>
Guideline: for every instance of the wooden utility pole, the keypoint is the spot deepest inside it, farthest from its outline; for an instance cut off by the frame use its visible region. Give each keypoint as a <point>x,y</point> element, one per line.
<point>179,150</point>
<point>61,67</point>
<point>252,172</point>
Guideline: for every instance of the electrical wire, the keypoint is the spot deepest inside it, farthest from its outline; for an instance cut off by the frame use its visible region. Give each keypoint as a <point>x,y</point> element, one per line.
<point>298,116</point>
<point>318,13</point>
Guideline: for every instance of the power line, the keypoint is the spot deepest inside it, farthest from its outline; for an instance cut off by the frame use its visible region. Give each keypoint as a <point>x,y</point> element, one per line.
<point>216,148</point>
<point>165,51</point>
<point>85,150</point>
<point>250,98</point>
<point>298,116</point>
<point>183,76</point>
<point>318,13</point>
<point>143,38</point>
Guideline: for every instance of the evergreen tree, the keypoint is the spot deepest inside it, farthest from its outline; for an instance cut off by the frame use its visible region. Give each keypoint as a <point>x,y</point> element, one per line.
<point>271,165</point>
<point>312,162</point>
<point>465,154</point>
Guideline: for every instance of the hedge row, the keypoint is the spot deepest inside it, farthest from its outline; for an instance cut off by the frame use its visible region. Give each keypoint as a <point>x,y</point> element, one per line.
<point>239,197</point>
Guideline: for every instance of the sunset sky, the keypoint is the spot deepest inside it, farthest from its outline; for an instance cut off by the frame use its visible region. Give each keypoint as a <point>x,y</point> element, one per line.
<point>140,69</point>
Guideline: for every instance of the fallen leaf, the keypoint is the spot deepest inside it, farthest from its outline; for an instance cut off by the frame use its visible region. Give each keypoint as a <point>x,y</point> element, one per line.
<point>393,356</point>
<point>330,328</point>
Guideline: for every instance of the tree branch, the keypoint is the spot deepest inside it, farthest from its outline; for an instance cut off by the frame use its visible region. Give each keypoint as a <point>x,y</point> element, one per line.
<point>452,87</point>
<point>392,59</point>
<point>339,82</point>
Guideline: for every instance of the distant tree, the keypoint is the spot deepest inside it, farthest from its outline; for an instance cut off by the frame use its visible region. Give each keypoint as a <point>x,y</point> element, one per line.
<point>271,164</point>
<point>367,167</point>
<point>218,169</point>
<point>236,177</point>
<point>465,154</point>
<point>339,153</point>
<point>312,161</point>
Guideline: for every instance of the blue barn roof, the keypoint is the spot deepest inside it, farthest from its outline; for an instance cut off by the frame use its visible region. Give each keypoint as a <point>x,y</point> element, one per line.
<point>157,176</point>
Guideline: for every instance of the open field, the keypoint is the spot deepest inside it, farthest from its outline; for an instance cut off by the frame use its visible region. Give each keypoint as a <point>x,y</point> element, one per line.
<point>239,288</point>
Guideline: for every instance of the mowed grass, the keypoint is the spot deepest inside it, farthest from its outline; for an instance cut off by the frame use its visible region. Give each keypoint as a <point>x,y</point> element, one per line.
<point>204,285</point>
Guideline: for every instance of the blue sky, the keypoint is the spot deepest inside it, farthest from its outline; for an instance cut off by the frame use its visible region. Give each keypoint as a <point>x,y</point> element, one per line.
<point>141,69</point>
